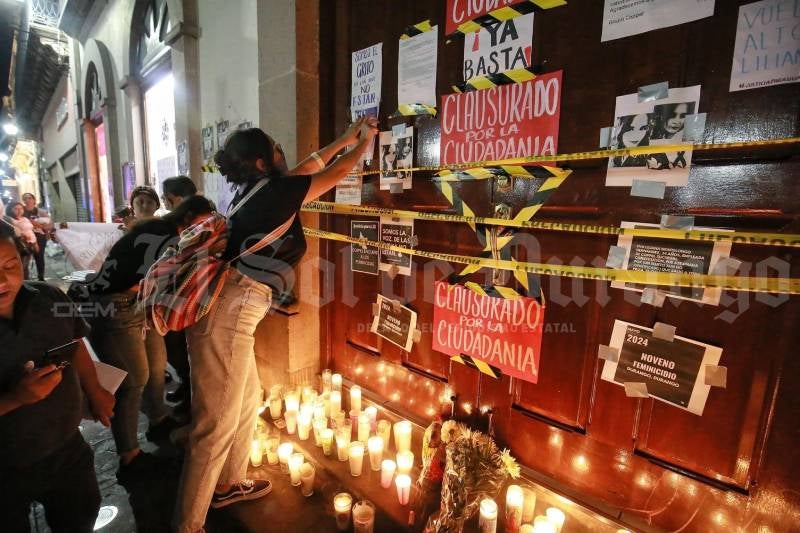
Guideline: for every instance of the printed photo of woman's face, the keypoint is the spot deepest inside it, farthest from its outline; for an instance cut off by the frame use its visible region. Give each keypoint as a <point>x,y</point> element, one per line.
<point>634,129</point>
<point>672,118</point>
<point>390,153</point>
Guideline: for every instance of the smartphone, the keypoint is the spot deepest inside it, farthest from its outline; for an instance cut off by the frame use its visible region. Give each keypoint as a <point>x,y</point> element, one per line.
<point>61,356</point>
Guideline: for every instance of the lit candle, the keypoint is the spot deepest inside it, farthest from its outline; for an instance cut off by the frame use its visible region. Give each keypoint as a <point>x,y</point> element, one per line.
<point>356,458</point>
<point>341,505</point>
<point>326,380</point>
<point>272,450</point>
<point>363,427</point>
<point>284,452</point>
<point>405,461</point>
<point>402,435</point>
<point>318,425</point>
<point>275,406</point>
<point>309,394</point>
<point>303,425</point>
<point>375,446</point>
<point>515,499</point>
<point>526,528</point>
<point>307,472</point>
<point>388,468</point>
<point>336,382</point>
<point>363,517</point>
<point>528,506</point>
<point>291,420</point>
<point>256,450</point>
<point>326,400</point>
<point>488,518</point>
<point>354,418</point>
<point>403,483</point>
<point>343,434</point>
<point>556,517</point>
<point>355,398</point>
<point>337,419</point>
<point>543,526</point>
<point>296,460</point>
<point>319,409</point>
<point>326,437</point>
<point>384,429</point>
<point>336,401</point>
<point>292,401</point>
<point>372,412</point>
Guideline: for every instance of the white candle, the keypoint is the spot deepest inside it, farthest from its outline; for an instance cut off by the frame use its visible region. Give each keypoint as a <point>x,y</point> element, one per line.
<point>309,394</point>
<point>296,460</point>
<point>372,412</point>
<point>326,380</point>
<point>488,518</point>
<point>405,461</point>
<point>363,517</point>
<point>388,468</point>
<point>318,425</point>
<point>272,450</point>
<point>544,527</point>
<point>303,425</point>
<point>326,401</point>
<point>343,434</point>
<point>556,517</point>
<point>363,427</point>
<point>275,406</point>
<point>375,446</point>
<point>307,472</point>
<point>336,401</point>
<point>336,382</point>
<point>319,409</point>
<point>284,452</point>
<point>384,429</point>
<point>526,528</point>
<point>403,483</point>
<point>515,499</point>
<point>355,398</point>
<point>326,438</point>
<point>341,505</point>
<point>292,401</point>
<point>528,506</point>
<point>291,421</point>
<point>256,451</point>
<point>356,458</point>
<point>402,435</point>
<point>337,419</point>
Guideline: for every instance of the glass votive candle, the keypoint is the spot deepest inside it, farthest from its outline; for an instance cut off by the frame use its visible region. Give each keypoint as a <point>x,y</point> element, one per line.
<point>487,522</point>
<point>375,447</point>
<point>296,460</point>
<point>356,452</point>
<point>405,462</point>
<point>336,382</point>
<point>309,394</point>
<point>342,503</point>
<point>343,435</point>
<point>284,452</point>
<point>363,517</point>
<point>326,438</point>
<point>542,526</point>
<point>403,483</point>
<point>307,473</point>
<point>319,409</point>
<point>256,452</point>
<point>290,416</point>
<point>303,425</point>
<point>336,402</point>
<point>556,517</point>
<point>338,418</point>
<point>318,425</point>
<point>271,449</point>
<point>384,429</point>
<point>528,505</point>
<point>388,468</point>
<point>326,401</point>
<point>514,502</point>
<point>402,435</point>
<point>354,418</point>
<point>355,398</point>
<point>275,406</point>
<point>292,400</point>
<point>363,427</point>
<point>372,412</point>
<point>326,380</point>
<point>527,528</point>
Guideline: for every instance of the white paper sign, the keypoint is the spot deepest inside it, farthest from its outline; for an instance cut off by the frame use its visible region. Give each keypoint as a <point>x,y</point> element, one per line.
<point>348,191</point>
<point>652,123</point>
<point>416,69</point>
<point>398,232</point>
<point>767,50</point>
<point>622,18</point>
<point>500,47</point>
<point>365,93</point>
<point>396,153</point>
<point>86,244</point>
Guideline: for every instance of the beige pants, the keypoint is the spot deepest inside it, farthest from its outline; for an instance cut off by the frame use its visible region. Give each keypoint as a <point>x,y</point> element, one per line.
<point>225,396</point>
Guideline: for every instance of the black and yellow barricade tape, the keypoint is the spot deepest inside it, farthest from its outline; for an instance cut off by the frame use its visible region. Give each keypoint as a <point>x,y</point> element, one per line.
<point>790,240</point>
<point>411,110</point>
<point>482,366</point>
<point>598,154</point>
<point>503,171</point>
<point>507,13</point>
<point>209,168</point>
<point>490,81</point>
<point>446,188</point>
<point>541,195</point>
<point>666,279</point>
<point>416,29</point>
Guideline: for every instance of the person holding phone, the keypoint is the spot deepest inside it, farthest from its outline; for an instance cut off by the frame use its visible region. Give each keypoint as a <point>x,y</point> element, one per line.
<point>43,456</point>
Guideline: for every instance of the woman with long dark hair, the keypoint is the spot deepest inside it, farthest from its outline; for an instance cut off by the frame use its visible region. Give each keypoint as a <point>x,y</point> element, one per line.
<point>225,385</point>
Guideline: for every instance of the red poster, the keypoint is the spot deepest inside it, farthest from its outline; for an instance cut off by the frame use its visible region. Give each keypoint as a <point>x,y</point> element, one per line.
<point>461,11</point>
<point>504,122</point>
<point>506,333</point>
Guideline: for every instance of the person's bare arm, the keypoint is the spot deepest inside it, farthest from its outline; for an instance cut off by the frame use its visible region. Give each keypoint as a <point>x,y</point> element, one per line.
<point>309,165</point>
<point>326,180</point>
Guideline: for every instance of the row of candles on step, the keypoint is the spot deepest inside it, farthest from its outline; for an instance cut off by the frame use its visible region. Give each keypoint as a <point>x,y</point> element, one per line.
<point>519,514</point>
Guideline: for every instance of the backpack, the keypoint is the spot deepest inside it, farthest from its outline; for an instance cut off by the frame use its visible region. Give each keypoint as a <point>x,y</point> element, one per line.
<point>182,285</point>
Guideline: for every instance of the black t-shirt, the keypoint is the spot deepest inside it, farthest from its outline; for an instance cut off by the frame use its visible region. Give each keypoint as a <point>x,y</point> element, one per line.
<point>270,207</point>
<point>131,257</point>
<point>42,320</point>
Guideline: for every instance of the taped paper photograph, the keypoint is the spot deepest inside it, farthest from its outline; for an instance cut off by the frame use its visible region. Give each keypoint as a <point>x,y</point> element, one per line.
<point>651,123</point>
<point>396,154</point>
<point>667,255</point>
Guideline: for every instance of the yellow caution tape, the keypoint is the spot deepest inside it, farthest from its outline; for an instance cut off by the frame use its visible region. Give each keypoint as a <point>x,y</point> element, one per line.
<point>490,81</point>
<point>416,29</point>
<point>507,13</point>
<point>790,240</point>
<point>481,366</point>
<point>410,110</point>
<point>735,283</point>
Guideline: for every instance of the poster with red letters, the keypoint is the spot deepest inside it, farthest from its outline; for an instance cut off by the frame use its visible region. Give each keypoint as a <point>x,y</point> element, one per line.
<point>461,11</point>
<point>504,122</point>
<point>504,332</point>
